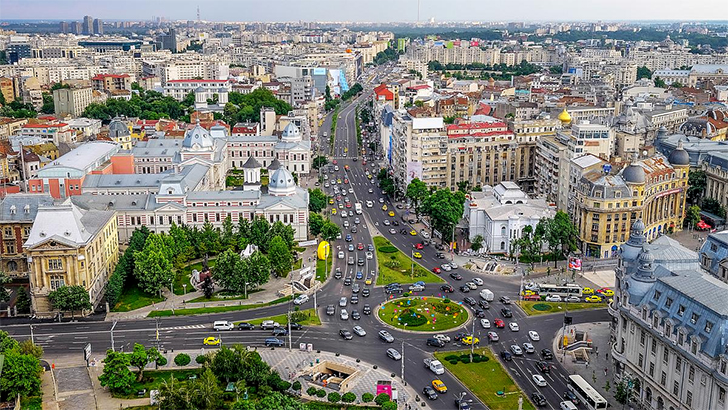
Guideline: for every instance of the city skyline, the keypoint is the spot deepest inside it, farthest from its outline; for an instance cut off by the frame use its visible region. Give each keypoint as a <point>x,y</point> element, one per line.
<point>367,11</point>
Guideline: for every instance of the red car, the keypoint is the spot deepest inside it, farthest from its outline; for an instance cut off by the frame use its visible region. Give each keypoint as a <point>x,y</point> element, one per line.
<point>335,162</point>
<point>419,246</point>
<point>346,181</point>
<point>499,323</point>
<point>436,270</point>
<point>360,246</point>
<point>363,162</point>
<point>348,204</point>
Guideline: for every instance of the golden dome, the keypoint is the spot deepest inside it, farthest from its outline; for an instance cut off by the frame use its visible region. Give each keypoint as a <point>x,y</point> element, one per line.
<point>565,117</point>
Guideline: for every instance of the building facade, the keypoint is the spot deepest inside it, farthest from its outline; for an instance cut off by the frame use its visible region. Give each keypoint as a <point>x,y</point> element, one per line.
<point>17,213</point>
<point>72,101</point>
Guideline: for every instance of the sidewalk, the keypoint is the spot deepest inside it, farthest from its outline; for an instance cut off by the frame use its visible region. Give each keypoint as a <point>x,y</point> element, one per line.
<point>173,301</point>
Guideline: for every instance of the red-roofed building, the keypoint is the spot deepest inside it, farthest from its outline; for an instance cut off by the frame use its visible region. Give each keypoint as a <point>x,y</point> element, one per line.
<point>51,132</point>
<point>383,95</point>
<point>246,129</point>
<point>111,82</point>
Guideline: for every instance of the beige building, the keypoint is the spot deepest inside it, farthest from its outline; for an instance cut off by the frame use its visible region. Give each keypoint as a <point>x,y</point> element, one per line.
<point>7,89</point>
<point>72,101</point>
<point>70,246</point>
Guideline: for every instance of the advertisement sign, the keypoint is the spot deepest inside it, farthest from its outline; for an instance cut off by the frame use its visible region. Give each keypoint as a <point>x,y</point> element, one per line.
<point>574,263</point>
<point>319,71</point>
<point>414,170</point>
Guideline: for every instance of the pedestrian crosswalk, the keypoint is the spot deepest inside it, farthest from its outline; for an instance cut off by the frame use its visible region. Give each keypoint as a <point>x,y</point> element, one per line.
<point>183,327</point>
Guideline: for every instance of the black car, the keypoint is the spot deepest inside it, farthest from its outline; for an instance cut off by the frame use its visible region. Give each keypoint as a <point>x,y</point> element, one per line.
<point>430,393</point>
<point>484,304</point>
<point>354,299</point>
<point>346,334</point>
<point>245,326</point>
<point>440,255</point>
<point>447,289</point>
<point>337,274</point>
<point>470,301</point>
<point>456,276</point>
<point>394,290</point>
<point>569,395</point>
<point>295,326</point>
<point>543,367</point>
<point>403,231</point>
<point>431,341</point>
<point>367,309</point>
<point>546,354</point>
<point>395,222</point>
<point>507,356</point>
<point>355,315</point>
<point>480,313</point>
<point>365,292</point>
<point>272,341</point>
<point>280,331</point>
<point>538,399</point>
<point>459,336</point>
<point>465,288</point>
<point>347,281</point>
<point>439,247</point>
<point>506,312</point>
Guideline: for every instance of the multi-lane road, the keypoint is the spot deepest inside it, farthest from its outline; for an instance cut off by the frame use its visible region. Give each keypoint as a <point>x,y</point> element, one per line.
<point>188,332</point>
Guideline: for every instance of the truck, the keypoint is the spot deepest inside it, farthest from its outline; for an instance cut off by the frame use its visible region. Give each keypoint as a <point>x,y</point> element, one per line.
<point>434,365</point>
<point>357,208</point>
<point>486,295</point>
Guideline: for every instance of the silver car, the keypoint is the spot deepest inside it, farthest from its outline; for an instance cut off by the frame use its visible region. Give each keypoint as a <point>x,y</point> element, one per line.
<point>342,302</point>
<point>359,331</point>
<point>393,354</point>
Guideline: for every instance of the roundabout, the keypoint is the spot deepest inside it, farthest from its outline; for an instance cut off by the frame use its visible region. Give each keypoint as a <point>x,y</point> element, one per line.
<point>423,314</point>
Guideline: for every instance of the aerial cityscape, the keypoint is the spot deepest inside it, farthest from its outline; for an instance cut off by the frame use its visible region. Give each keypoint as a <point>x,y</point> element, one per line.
<point>328,205</point>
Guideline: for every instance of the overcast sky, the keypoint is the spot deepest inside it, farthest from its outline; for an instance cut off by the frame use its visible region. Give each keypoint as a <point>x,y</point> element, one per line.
<point>368,10</point>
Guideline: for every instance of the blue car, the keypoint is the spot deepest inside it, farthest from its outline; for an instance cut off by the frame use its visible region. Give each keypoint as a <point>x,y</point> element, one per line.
<point>419,283</point>
<point>348,238</point>
<point>359,275</point>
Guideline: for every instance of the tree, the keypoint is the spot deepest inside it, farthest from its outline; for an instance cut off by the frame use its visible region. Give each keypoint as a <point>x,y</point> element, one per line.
<point>280,256</point>
<point>21,375</point>
<point>205,391</point>
<point>560,234</point>
<point>4,292</point>
<point>417,193</point>
<point>319,162</point>
<point>692,216</point>
<point>229,272</point>
<point>367,397</point>
<point>445,209</point>
<point>334,397</point>
<point>644,72</point>
<point>330,230</point>
<point>174,394</point>
<point>348,397</point>
<point>477,243</point>
<point>677,84</point>
<point>659,82</point>
<point>713,206</point>
<point>182,247</point>
<point>116,375</point>
<point>7,343</point>
<point>556,69</point>
<point>28,347</point>
<point>257,268</point>
<point>141,357</point>
<point>311,391</point>
<point>225,364</point>
<point>152,265</point>
<point>696,186</point>
<point>317,200</point>
<point>285,232</point>
<point>315,223</point>
<point>382,398</point>
<point>228,234</point>
<point>182,359</point>
<point>71,298</point>
<point>22,302</point>
<point>258,234</point>
<point>208,288</point>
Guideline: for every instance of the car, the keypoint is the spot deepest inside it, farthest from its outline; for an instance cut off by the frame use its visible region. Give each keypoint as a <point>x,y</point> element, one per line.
<point>493,337</point>
<point>438,385</point>
<point>359,331</point>
<point>470,340</point>
<point>353,229</point>
<point>507,356</point>
<point>355,314</point>
<point>391,213</point>
<point>499,323</point>
<point>371,191</point>
<point>539,380</point>
<point>505,300</point>
<point>301,299</point>
<point>569,395</point>
<point>269,325</point>
<point>587,291</point>
<point>413,232</point>
<point>347,281</point>
<point>354,298</point>
<point>593,299</point>
<point>606,292</point>
<point>485,323</point>
<point>359,275</point>
<point>440,255</point>
<point>436,270</point>
<point>330,310</point>
<point>295,326</point>
<point>341,206</point>
<point>479,313</point>
<point>393,231</point>
<point>513,326</point>
<point>360,246</point>
<point>429,392</point>
<point>342,301</point>
<point>553,298</point>
<point>444,338</point>
<point>454,265</point>
<point>369,255</point>
<point>370,204</point>
<point>393,354</point>
<point>367,310</point>
<point>341,255</point>
<point>417,255</point>
<point>386,222</point>
<point>360,262</point>
<point>370,247</point>
<point>446,267</point>
<point>381,200</point>
<point>546,354</point>
<point>245,326</point>
<point>386,336</point>
<point>365,292</point>
<point>528,293</point>
<point>384,207</point>
<point>456,276</point>
<point>516,350</point>
<point>572,299</point>
<point>333,211</point>
<point>280,331</point>
<point>432,341</point>
<point>478,281</point>
<point>211,341</point>
<point>472,285</point>
<point>350,260</point>
<point>416,288</point>
<point>533,335</point>
<point>470,301</point>
<point>543,366</point>
<point>531,286</point>
<point>419,246</point>
<point>344,315</point>
<point>464,289</point>
<point>538,399</point>
<point>484,304</point>
<point>345,334</point>
<point>528,347</point>
<point>349,238</point>
<point>368,280</point>
<point>350,248</point>
<point>506,312</point>
<point>273,341</point>
<point>331,200</point>
<point>447,288</point>
<point>346,223</point>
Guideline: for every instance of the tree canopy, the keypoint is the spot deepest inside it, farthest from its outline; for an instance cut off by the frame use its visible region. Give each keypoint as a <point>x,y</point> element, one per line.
<point>71,298</point>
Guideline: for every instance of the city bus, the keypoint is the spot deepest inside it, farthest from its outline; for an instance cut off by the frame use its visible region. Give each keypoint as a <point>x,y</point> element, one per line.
<point>586,394</point>
<point>565,290</point>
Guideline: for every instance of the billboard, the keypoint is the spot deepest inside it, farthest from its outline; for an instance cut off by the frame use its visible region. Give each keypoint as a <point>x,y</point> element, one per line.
<point>414,170</point>
<point>574,263</point>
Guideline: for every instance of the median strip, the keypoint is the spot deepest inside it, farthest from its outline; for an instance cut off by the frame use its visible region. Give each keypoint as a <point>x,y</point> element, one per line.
<point>215,309</point>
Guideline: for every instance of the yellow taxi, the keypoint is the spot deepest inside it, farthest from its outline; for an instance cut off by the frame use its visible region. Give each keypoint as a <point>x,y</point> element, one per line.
<point>346,149</point>
<point>391,213</point>
<point>368,281</point>
<point>333,211</point>
<point>413,232</point>
<point>417,255</point>
<point>331,201</point>
<point>369,176</point>
<point>528,293</point>
<point>593,299</point>
<point>587,291</point>
<point>606,292</point>
<point>384,207</point>
<point>439,386</point>
<point>469,340</point>
<point>211,341</point>
<point>338,181</point>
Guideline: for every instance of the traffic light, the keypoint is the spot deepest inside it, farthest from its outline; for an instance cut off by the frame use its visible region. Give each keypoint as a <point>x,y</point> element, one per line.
<point>568,320</point>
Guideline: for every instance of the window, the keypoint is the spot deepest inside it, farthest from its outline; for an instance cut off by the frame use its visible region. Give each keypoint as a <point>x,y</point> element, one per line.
<point>678,363</point>
<point>642,337</point>
<point>55,264</point>
<point>691,374</point>
<point>652,369</point>
<point>57,281</point>
<point>654,346</point>
<point>675,388</point>
<point>693,347</point>
<point>721,394</point>
<point>663,378</point>
<point>668,330</point>
<point>640,360</point>
<point>708,326</point>
<point>665,355</point>
<point>694,318</point>
<point>689,398</point>
<point>681,310</point>
<point>657,295</point>
<point>668,303</point>
<point>680,338</point>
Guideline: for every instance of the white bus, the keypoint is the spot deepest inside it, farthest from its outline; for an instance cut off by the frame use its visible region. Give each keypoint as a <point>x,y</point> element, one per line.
<point>586,393</point>
<point>566,290</point>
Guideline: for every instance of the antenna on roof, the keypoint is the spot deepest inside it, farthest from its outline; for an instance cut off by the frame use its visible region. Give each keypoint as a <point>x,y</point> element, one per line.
<point>198,14</point>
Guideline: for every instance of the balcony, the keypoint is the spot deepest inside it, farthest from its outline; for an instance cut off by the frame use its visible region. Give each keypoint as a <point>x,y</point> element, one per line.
<point>612,311</point>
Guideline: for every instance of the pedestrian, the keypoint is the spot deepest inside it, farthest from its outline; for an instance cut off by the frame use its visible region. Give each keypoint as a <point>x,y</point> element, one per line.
<point>587,363</point>
<point>605,371</point>
<point>607,356</point>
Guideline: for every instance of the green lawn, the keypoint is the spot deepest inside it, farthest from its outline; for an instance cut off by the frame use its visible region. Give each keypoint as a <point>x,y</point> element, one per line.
<point>154,378</point>
<point>485,379</point>
<point>321,269</point>
<point>297,264</point>
<point>183,276</point>
<point>312,318</point>
<point>417,313</point>
<point>220,296</point>
<point>533,308</point>
<point>216,309</point>
<point>134,298</point>
<point>397,267</point>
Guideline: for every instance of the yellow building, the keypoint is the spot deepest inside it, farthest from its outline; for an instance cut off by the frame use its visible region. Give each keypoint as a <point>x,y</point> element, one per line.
<point>120,133</point>
<point>48,150</point>
<point>606,206</point>
<point>70,246</point>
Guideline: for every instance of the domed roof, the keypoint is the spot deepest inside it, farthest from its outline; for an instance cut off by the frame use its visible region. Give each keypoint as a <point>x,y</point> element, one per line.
<point>198,138</point>
<point>565,117</point>
<point>634,174</point>
<point>281,183</point>
<point>274,165</point>
<point>200,89</point>
<point>291,133</point>
<point>251,163</point>
<point>117,128</point>
<point>679,156</point>
<point>661,132</point>
<point>638,225</point>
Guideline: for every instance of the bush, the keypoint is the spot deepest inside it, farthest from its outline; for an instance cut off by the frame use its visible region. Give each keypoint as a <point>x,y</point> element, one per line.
<point>445,300</point>
<point>348,397</point>
<point>296,385</point>
<point>201,359</point>
<point>381,398</point>
<point>161,361</point>
<point>451,357</point>
<point>388,249</point>
<point>321,393</point>
<point>390,405</point>
<point>367,397</point>
<point>453,361</point>
<point>334,397</point>
<point>311,391</point>
<point>182,359</point>
<point>284,385</point>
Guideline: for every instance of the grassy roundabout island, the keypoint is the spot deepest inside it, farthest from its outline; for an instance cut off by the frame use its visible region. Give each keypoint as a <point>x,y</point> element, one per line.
<point>423,314</point>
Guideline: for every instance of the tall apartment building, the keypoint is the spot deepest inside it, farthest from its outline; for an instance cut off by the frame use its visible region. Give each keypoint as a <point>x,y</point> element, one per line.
<point>111,82</point>
<point>72,101</point>
<point>98,27</point>
<point>88,25</point>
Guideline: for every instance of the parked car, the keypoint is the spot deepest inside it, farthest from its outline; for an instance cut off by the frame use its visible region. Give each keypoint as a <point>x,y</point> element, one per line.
<point>553,298</point>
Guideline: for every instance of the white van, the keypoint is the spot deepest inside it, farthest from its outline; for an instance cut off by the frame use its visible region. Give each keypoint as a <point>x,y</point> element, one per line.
<point>486,295</point>
<point>567,405</point>
<point>222,325</point>
<point>300,300</point>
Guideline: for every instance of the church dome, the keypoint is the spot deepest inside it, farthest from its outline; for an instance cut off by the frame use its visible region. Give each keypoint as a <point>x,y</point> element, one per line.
<point>565,117</point>
<point>117,128</point>
<point>638,226</point>
<point>291,133</point>
<point>634,174</point>
<point>198,138</point>
<point>679,156</point>
<point>274,165</point>
<point>251,163</point>
<point>281,183</point>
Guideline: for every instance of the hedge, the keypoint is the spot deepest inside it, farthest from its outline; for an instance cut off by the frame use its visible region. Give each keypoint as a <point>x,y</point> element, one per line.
<point>182,359</point>
<point>201,359</point>
<point>388,249</point>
